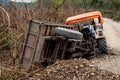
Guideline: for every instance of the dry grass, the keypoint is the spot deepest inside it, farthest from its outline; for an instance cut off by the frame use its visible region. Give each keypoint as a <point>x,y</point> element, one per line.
<point>12,34</point>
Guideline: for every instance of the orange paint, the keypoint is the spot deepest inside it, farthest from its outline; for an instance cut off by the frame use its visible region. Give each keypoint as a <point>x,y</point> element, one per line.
<point>85,16</point>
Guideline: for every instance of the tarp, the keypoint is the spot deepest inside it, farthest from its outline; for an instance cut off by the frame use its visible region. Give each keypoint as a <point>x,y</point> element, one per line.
<point>85,16</point>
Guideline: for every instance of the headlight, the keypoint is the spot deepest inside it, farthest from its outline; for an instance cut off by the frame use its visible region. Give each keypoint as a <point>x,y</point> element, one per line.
<point>100,32</point>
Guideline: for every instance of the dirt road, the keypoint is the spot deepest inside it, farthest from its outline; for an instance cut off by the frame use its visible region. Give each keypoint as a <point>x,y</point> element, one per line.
<point>112,33</point>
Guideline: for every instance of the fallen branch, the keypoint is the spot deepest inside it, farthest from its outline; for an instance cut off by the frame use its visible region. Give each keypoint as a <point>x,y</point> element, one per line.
<point>20,71</point>
<point>8,17</point>
<point>13,70</point>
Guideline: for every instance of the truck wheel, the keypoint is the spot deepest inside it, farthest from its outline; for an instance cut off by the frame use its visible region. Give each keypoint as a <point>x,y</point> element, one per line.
<point>102,45</point>
<point>72,34</point>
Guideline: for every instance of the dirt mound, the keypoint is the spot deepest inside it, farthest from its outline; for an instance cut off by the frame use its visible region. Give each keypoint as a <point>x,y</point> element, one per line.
<point>78,69</point>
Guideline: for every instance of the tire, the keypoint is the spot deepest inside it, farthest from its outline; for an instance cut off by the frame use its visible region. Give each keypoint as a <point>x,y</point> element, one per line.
<point>102,45</point>
<point>68,33</point>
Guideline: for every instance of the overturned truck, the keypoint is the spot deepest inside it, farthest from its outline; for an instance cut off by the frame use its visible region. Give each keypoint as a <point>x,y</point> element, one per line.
<point>47,42</point>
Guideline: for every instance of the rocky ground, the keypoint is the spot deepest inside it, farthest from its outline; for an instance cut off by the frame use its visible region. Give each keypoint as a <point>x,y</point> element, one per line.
<point>79,69</point>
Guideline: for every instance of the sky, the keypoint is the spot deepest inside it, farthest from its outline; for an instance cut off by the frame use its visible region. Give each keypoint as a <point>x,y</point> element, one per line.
<point>26,1</point>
